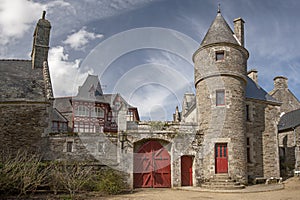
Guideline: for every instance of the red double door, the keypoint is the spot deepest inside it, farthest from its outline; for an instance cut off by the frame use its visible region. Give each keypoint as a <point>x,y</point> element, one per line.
<point>152,166</point>
<point>221,158</point>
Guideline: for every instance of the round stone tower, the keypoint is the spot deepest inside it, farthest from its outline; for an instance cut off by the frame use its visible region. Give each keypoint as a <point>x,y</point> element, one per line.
<point>220,81</point>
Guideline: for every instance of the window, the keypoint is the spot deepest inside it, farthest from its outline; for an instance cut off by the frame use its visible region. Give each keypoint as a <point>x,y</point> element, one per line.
<point>82,111</point>
<point>55,126</point>
<point>247,112</point>
<point>59,126</point>
<point>98,112</point>
<point>220,97</point>
<point>219,55</point>
<point>129,116</point>
<point>87,127</point>
<point>101,147</point>
<point>248,151</point>
<point>69,146</point>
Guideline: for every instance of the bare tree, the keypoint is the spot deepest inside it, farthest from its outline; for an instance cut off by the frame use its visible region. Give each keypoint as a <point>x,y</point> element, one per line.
<point>23,172</point>
<point>71,176</point>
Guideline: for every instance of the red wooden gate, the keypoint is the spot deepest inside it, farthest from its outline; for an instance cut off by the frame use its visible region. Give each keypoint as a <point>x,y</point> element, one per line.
<point>221,155</point>
<point>186,171</point>
<point>152,166</point>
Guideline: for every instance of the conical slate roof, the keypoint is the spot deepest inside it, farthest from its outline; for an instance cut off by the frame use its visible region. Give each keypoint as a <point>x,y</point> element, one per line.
<point>218,32</point>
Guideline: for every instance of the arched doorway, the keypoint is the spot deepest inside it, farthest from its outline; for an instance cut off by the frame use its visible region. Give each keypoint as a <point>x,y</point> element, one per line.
<point>152,166</point>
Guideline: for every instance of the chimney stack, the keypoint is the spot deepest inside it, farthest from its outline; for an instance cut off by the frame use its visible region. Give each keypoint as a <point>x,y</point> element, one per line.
<point>41,38</point>
<point>280,82</point>
<point>239,30</point>
<point>253,75</point>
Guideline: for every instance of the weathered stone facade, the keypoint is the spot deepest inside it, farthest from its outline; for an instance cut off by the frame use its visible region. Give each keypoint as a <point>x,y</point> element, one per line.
<point>288,126</point>
<point>222,123</point>
<point>229,108</point>
<point>22,126</point>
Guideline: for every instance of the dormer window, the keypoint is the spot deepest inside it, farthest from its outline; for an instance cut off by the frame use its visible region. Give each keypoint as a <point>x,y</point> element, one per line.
<point>219,55</point>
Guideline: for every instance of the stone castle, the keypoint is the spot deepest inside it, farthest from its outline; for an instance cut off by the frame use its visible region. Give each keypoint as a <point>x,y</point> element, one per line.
<point>231,130</point>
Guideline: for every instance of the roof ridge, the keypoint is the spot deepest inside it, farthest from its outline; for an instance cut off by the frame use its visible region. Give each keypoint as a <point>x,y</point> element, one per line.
<point>14,59</point>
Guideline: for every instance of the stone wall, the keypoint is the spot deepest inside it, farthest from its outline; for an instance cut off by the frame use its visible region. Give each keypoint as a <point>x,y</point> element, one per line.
<point>88,147</point>
<point>255,127</point>
<point>261,133</point>
<point>297,149</point>
<point>23,125</point>
<point>270,142</point>
<point>282,93</point>
<point>223,124</point>
<point>289,149</point>
<point>177,139</point>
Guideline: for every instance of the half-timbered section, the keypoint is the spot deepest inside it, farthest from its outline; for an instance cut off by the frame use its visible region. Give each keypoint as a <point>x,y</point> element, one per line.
<point>91,111</point>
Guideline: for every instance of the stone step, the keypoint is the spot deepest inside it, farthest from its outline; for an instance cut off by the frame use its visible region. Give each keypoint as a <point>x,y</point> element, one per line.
<point>222,183</point>
<point>227,179</point>
<point>224,187</point>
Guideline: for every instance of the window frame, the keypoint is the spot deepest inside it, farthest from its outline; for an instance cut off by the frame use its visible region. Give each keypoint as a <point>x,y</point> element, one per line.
<point>223,102</point>
<point>218,53</point>
<point>248,113</point>
<point>82,111</point>
<point>69,146</point>
<point>98,112</point>
<point>249,151</point>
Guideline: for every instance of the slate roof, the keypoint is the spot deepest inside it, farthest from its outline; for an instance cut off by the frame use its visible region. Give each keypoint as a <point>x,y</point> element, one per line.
<point>63,104</point>
<point>90,90</point>
<point>18,81</point>
<point>219,32</point>
<point>57,116</point>
<point>289,120</point>
<point>254,91</point>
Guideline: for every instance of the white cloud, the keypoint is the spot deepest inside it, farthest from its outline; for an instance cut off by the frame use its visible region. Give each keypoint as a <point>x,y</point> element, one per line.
<point>79,39</point>
<point>66,75</point>
<point>57,3</point>
<point>16,18</point>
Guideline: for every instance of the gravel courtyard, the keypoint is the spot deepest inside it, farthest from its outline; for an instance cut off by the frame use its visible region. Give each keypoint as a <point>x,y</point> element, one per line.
<point>291,191</point>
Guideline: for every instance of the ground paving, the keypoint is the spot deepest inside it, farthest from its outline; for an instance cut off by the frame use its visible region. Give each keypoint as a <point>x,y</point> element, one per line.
<point>289,190</point>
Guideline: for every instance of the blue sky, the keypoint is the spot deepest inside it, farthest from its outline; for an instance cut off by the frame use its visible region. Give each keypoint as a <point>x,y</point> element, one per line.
<point>143,48</point>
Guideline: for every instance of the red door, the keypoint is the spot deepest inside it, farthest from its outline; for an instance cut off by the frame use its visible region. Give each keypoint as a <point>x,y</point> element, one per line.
<point>186,171</point>
<point>152,166</point>
<point>221,155</point>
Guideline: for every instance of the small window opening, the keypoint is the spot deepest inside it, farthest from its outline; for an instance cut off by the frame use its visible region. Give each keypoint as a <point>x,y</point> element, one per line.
<point>219,55</point>
<point>247,112</point>
<point>220,97</point>
<point>69,146</point>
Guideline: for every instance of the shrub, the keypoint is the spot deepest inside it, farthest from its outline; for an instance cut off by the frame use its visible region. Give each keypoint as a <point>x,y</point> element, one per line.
<point>111,182</point>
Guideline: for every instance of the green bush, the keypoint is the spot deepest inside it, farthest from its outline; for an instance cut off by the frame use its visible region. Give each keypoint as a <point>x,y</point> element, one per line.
<point>111,182</point>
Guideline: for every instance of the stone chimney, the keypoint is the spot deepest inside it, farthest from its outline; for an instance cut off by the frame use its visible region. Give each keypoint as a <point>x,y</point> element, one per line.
<point>239,30</point>
<point>253,75</point>
<point>40,45</point>
<point>280,82</point>
<point>176,115</point>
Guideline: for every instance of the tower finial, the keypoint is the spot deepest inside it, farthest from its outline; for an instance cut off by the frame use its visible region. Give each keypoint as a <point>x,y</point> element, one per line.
<point>44,14</point>
<point>219,8</point>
